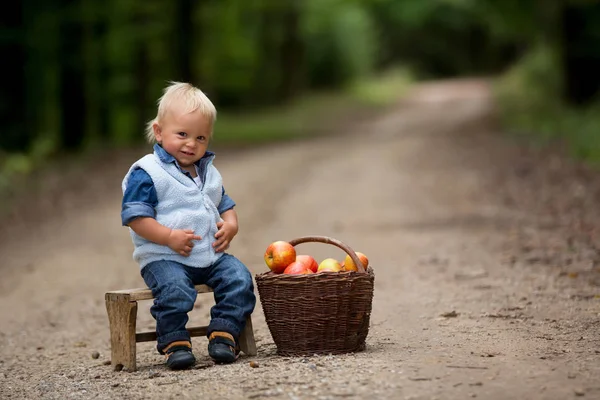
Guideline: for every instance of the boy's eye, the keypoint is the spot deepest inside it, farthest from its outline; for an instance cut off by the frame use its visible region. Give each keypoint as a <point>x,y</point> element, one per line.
<point>182,134</point>
<point>202,138</point>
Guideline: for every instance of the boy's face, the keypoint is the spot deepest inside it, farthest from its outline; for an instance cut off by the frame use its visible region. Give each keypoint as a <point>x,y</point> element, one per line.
<point>185,136</point>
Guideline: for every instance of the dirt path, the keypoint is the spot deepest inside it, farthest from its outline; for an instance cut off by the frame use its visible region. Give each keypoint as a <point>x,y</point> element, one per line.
<point>454,225</point>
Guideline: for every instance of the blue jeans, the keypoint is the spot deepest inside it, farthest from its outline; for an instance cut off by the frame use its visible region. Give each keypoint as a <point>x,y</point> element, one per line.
<point>172,285</point>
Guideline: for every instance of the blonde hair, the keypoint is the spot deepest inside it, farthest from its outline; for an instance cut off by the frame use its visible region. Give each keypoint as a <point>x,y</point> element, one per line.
<point>184,95</point>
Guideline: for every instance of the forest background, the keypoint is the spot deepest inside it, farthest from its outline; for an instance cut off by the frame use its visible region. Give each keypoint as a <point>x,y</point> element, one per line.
<point>83,76</point>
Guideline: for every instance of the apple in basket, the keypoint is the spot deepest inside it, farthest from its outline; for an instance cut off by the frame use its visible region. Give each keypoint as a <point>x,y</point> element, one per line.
<point>297,268</point>
<point>329,265</point>
<point>349,264</point>
<point>279,255</point>
<point>309,261</point>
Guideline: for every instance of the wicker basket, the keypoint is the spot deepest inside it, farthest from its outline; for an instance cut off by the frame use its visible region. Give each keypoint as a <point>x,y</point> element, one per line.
<point>323,313</point>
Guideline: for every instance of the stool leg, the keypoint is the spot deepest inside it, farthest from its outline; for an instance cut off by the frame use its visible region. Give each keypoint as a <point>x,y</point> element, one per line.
<point>122,315</point>
<point>247,343</point>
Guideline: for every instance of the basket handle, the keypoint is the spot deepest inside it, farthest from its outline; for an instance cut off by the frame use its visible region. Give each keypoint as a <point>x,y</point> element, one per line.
<point>335,242</point>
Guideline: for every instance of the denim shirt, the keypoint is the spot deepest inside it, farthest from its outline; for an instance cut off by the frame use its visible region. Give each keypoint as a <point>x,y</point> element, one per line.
<point>140,198</point>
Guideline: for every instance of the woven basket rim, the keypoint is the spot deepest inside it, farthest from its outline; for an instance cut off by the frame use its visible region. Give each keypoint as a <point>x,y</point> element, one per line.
<point>270,275</point>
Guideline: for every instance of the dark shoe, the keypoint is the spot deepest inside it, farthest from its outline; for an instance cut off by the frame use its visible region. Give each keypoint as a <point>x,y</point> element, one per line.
<point>222,347</point>
<point>179,355</point>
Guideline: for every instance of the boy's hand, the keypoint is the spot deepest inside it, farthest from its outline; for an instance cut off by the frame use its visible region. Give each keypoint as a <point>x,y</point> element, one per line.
<point>227,230</point>
<point>181,241</point>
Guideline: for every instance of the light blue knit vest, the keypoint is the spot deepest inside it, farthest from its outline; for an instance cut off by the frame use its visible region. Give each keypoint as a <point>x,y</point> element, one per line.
<point>181,205</point>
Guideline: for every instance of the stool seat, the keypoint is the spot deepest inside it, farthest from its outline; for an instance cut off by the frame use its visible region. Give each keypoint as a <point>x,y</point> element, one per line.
<point>121,306</point>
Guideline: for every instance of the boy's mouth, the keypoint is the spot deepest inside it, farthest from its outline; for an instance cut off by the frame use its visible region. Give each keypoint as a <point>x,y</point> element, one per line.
<point>187,153</point>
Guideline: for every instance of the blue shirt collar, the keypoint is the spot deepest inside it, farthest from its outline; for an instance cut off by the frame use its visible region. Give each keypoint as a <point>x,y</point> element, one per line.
<point>167,158</point>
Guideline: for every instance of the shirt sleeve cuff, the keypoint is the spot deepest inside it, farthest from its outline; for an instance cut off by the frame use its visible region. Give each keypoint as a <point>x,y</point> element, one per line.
<point>135,210</point>
<point>226,204</point>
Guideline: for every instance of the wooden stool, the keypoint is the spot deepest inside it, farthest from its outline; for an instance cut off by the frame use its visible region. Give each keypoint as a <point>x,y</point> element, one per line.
<point>121,306</point>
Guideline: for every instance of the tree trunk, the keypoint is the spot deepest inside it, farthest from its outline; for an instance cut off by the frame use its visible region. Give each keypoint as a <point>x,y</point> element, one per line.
<point>71,78</point>
<point>14,135</point>
<point>268,75</point>
<point>184,34</point>
<point>142,77</point>
<point>580,53</point>
<point>292,52</point>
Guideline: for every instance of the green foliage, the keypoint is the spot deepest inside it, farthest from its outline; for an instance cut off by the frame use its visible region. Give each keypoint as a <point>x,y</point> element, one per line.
<point>312,114</point>
<point>531,87</point>
<point>509,19</point>
<point>119,55</point>
<point>113,58</point>
<point>440,38</point>
<point>531,106</point>
<point>229,51</point>
<point>340,41</point>
<point>386,89</point>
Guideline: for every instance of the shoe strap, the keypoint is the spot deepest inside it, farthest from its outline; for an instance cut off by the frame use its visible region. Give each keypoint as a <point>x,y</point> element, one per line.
<point>222,337</point>
<point>177,345</point>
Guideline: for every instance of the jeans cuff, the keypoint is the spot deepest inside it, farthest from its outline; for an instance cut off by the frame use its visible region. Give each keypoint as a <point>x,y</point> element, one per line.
<point>223,325</point>
<point>165,340</point>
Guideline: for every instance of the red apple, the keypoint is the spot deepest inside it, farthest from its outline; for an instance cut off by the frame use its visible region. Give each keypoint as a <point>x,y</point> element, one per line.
<point>350,266</point>
<point>329,265</point>
<point>309,261</point>
<point>279,255</point>
<point>297,268</point>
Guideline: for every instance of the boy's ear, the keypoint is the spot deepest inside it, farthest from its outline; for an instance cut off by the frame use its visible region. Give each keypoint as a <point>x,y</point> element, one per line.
<point>157,131</point>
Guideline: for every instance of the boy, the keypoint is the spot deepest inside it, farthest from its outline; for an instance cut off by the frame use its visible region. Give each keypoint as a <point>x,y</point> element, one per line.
<point>181,222</point>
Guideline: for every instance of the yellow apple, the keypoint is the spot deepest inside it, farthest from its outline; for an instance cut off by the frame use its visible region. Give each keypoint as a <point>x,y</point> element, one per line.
<point>329,265</point>
<point>350,266</point>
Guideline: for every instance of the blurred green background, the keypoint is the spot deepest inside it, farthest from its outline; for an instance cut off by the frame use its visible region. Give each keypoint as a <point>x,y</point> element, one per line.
<point>83,75</point>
